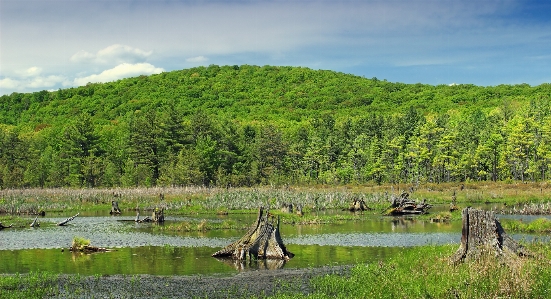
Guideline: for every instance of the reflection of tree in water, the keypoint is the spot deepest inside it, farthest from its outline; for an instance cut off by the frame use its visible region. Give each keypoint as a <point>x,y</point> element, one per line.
<point>252,264</point>
<point>402,223</point>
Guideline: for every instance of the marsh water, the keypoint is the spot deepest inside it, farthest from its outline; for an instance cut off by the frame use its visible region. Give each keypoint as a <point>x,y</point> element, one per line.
<point>137,248</point>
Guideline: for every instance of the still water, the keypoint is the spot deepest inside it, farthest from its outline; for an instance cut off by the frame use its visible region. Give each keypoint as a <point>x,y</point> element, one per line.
<point>138,249</point>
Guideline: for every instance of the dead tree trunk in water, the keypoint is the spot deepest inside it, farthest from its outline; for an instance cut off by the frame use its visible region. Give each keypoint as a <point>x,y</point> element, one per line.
<point>482,234</point>
<point>115,208</point>
<point>262,241</point>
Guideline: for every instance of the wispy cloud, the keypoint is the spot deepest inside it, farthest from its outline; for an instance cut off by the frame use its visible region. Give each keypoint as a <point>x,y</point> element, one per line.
<point>120,71</point>
<point>197,59</point>
<point>114,54</point>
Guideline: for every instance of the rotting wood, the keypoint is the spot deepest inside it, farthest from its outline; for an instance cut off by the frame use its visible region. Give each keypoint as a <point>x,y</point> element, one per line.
<point>358,205</point>
<point>35,222</point>
<point>403,205</point>
<point>482,233</point>
<point>158,215</point>
<point>64,222</point>
<point>262,241</point>
<point>115,208</point>
<point>3,226</point>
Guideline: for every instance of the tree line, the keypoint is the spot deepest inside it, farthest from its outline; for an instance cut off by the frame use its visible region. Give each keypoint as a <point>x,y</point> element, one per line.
<point>250,125</point>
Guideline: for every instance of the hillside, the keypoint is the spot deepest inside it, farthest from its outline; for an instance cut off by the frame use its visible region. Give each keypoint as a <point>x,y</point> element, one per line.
<point>248,125</point>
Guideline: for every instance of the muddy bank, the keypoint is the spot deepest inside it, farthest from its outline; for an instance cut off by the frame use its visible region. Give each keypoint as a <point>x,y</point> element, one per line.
<point>242,285</point>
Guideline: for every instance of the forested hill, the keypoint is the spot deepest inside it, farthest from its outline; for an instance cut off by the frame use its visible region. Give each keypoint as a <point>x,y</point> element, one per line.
<point>249,125</point>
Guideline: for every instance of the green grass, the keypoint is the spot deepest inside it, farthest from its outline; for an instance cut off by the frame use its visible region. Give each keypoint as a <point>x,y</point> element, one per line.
<point>541,225</point>
<point>25,286</point>
<point>425,272</point>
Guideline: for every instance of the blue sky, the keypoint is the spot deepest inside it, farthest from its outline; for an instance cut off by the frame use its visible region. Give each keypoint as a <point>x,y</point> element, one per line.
<point>52,44</point>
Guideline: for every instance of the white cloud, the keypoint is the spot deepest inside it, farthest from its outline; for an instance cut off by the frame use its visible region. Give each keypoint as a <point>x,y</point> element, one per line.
<point>26,84</point>
<point>114,54</point>
<point>82,56</point>
<point>9,84</point>
<point>197,59</point>
<point>30,72</point>
<point>123,70</point>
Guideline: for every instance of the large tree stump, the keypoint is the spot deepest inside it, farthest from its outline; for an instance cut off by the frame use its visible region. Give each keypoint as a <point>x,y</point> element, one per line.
<point>483,234</point>
<point>262,241</point>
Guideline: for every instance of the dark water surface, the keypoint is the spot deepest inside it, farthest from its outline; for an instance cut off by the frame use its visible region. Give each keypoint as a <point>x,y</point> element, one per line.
<point>138,249</point>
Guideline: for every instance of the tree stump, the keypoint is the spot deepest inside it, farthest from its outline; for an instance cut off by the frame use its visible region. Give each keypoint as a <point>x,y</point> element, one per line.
<point>158,215</point>
<point>115,208</point>
<point>262,241</point>
<point>482,234</point>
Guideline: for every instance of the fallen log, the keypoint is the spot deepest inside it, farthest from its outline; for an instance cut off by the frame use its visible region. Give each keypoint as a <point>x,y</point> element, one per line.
<point>482,234</point>
<point>262,241</point>
<point>89,249</point>
<point>64,222</point>
<point>3,226</point>
<point>35,222</point>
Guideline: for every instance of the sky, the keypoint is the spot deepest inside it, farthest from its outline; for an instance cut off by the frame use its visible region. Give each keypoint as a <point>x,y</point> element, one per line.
<point>52,44</point>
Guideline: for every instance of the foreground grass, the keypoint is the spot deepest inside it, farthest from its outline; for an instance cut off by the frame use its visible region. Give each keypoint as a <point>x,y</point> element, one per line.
<point>32,285</point>
<point>424,272</point>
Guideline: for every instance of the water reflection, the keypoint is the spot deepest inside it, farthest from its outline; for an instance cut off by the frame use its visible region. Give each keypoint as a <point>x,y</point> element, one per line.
<point>252,264</point>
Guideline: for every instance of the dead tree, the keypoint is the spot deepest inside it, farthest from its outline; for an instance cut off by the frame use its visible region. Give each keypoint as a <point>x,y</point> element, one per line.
<point>35,222</point>
<point>481,234</point>
<point>358,205</point>
<point>115,208</point>
<point>158,215</point>
<point>64,222</point>
<point>262,241</point>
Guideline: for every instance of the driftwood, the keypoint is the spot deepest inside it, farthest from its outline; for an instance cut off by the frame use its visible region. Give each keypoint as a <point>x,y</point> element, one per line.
<point>157,216</point>
<point>64,222</point>
<point>482,233</point>
<point>35,222</point>
<point>3,226</point>
<point>115,208</point>
<point>358,205</point>
<point>403,205</point>
<point>262,241</point>
<point>138,220</point>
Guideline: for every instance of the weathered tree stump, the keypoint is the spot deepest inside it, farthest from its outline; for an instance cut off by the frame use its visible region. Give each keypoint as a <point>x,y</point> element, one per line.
<point>158,215</point>
<point>358,205</point>
<point>483,234</point>
<point>115,208</point>
<point>262,241</point>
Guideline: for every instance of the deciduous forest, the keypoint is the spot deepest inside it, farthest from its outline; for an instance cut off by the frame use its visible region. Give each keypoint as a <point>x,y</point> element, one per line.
<point>250,125</point>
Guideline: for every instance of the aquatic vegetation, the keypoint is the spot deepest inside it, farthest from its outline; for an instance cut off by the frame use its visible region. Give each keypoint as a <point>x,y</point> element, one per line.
<point>79,243</point>
<point>32,285</point>
<point>541,225</point>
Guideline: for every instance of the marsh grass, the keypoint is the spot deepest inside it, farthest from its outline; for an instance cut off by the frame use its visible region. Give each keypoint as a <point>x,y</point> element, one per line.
<point>199,200</point>
<point>540,225</point>
<point>32,285</point>
<point>425,272</point>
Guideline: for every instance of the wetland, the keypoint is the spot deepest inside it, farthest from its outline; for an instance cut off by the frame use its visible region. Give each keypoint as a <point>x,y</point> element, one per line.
<point>200,222</point>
